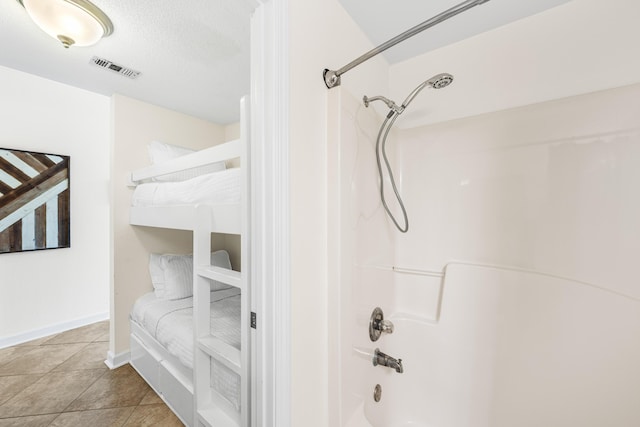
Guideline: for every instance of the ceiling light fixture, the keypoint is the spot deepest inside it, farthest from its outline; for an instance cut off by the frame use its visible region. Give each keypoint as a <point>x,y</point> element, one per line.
<point>72,22</point>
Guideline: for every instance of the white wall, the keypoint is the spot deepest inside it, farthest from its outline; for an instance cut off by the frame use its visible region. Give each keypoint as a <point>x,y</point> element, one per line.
<point>321,35</point>
<point>549,187</point>
<point>43,291</point>
<point>135,124</point>
<point>578,47</point>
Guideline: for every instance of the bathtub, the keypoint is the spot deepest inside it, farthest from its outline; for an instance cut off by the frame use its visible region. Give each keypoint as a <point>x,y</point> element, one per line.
<point>510,348</point>
<point>514,295</point>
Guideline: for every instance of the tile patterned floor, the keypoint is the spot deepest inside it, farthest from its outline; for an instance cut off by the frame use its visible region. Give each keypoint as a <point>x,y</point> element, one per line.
<point>62,381</point>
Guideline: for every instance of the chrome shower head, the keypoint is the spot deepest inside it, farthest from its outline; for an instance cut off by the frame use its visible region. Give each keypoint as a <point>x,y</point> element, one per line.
<point>440,81</point>
<point>437,82</point>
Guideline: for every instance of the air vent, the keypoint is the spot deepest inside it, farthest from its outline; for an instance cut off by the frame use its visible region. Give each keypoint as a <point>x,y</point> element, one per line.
<point>108,65</point>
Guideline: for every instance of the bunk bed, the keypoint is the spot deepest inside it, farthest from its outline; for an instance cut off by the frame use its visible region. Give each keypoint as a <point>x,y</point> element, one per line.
<point>195,351</point>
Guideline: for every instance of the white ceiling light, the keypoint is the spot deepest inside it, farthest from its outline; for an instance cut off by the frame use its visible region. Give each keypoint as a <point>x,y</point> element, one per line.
<point>73,22</point>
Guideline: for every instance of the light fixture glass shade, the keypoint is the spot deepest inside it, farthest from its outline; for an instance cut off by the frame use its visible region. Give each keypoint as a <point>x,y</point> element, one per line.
<point>73,22</point>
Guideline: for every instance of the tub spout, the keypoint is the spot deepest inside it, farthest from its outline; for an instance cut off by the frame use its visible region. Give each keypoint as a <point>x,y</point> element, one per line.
<point>379,358</point>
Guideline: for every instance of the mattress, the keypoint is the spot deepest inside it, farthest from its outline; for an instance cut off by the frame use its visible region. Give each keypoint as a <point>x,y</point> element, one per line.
<point>170,322</point>
<point>217,188</point>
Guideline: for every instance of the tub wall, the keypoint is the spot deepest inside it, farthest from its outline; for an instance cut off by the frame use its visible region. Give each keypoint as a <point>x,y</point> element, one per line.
<point>519,260</point>
<point>550,187</point>
<point>543,183</point>
<point>512,348</point>
<point>359,243</point>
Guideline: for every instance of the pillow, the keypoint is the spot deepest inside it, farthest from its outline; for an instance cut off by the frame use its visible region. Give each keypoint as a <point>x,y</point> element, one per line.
<point>157,274</point>
<point>172,275</point>
<point>178,276</point>
<point>220,259</point>
<point>160,152</point>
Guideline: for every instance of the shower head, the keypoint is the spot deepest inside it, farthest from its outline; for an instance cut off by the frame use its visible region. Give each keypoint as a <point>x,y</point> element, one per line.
<point>437,82</point>
<point>440,81</point>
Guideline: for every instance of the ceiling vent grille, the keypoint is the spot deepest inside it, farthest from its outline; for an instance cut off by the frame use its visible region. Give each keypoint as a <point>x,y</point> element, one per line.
<point>108,65</point>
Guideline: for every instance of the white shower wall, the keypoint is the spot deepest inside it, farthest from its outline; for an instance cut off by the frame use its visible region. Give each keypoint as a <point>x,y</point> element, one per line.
<point>515,295</point>
<point>552,187</point>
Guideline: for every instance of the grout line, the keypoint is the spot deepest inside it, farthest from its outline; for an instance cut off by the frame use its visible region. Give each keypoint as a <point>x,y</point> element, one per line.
<point>124,423</point>
<point>13,358</point>
<point>83,392</point>
<point>54,420</point>
<point>33,415</point>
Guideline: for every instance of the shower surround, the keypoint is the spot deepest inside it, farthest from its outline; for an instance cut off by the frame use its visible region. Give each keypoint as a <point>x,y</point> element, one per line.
<point>515,294</point>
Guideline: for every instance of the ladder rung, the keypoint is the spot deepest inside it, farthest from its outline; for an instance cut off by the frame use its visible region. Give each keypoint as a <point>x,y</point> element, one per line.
<point>228,355</point>
<point>224,275</point>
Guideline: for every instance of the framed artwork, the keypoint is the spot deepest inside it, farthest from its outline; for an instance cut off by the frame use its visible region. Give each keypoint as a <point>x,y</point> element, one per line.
<point>34,201</point>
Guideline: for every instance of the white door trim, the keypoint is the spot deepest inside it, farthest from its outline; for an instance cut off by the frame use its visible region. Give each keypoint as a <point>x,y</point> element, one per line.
<point>270,201</point>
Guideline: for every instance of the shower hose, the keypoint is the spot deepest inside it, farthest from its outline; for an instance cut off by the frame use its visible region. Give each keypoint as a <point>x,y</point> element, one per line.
<point>381,147</point>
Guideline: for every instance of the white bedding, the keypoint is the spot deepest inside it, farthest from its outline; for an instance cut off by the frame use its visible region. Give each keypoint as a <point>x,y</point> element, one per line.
<point>170,322</point>
<point>218,188</point>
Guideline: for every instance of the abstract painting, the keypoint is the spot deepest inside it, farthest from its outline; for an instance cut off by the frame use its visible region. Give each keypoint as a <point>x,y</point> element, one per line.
<point>34,201</point>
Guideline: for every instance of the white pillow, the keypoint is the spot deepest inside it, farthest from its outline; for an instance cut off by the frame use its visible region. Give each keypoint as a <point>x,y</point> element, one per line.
<point>220,259</point>
<point>157,274</point>
<point>172,275</point>
<point>178,276</point>
<point>160,152</point>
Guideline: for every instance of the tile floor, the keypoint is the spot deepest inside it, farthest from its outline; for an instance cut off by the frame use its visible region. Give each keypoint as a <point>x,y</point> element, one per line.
<point>62,381</point>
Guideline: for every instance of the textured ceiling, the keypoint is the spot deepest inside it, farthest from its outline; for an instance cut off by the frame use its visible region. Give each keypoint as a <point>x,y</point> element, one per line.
<point>194,56</point>
<point>382,20</point>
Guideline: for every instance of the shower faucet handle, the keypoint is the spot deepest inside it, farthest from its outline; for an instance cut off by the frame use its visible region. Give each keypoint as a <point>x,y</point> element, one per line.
<point>378,325</point>
<point>385,326</point>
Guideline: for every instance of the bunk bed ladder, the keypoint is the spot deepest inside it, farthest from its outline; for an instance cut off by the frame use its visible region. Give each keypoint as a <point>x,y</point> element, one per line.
<point>211,408</point>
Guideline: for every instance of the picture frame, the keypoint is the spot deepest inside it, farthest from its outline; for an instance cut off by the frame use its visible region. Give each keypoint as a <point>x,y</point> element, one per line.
<point>35,211</point>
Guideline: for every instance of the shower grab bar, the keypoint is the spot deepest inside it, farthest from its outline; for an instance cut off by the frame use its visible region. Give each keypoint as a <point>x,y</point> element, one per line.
<point>332,78</point>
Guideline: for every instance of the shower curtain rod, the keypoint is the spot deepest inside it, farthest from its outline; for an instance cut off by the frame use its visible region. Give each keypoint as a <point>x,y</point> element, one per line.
<point>332,78</point>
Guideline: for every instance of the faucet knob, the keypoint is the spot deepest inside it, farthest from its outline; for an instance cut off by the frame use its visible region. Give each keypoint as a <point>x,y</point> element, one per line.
<point>385,326</point>
<point>378,326</point>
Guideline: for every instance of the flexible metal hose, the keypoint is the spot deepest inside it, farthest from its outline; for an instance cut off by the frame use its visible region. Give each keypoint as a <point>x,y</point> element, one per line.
<point>390,120</point>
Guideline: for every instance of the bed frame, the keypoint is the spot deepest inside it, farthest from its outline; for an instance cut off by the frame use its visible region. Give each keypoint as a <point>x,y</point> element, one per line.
<point>188,392</point>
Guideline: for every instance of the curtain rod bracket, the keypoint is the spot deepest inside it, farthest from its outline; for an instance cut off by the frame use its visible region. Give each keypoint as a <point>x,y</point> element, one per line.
<point>331,78</point>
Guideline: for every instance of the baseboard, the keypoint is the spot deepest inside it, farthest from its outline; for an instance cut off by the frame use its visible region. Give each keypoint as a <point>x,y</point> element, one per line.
<point>116,360</point>
<point>51,330</point>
